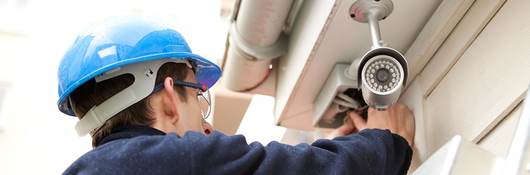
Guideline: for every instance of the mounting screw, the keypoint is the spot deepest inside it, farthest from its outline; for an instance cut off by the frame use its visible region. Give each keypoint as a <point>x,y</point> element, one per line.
<point>148,73</point>
<point>379,8</point>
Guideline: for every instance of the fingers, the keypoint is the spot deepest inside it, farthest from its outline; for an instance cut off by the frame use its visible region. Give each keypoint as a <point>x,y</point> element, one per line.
<point>346,129</point>
<point>410,125</point>
<point>357,120</point>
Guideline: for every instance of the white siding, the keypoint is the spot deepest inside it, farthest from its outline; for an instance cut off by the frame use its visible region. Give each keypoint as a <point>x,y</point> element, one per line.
<point>500,138</point>
<point>476,78</point>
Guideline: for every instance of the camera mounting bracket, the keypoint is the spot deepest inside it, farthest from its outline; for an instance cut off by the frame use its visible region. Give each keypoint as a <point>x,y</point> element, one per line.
<point>371,12</point>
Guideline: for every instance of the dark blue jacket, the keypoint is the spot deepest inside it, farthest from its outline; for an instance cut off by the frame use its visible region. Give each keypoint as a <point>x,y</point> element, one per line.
<point>144,150</point>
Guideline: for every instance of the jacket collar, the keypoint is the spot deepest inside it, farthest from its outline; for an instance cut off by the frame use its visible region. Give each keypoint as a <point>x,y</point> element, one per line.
<point>129,131</point>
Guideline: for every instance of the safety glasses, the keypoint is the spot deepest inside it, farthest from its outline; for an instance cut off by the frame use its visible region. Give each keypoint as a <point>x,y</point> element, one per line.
<point>203,95</point>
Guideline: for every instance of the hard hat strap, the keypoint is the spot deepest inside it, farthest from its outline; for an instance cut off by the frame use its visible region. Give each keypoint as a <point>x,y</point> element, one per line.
<point>144,80</point>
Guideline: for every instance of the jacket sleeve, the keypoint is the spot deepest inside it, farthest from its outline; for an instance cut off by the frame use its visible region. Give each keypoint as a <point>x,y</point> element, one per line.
<point>370,151</point>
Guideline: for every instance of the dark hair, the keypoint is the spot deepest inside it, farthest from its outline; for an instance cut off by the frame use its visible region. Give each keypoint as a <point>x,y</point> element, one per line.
<point>140,114</point>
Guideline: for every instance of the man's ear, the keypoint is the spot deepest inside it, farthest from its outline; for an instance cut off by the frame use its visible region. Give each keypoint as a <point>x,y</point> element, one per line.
<point>170,100</point>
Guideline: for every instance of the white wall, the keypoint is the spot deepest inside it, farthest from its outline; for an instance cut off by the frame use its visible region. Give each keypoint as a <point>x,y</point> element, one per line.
<point>476,79</point>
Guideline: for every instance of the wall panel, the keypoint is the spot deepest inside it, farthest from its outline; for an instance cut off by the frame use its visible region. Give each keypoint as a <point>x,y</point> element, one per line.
<point>486,83</point>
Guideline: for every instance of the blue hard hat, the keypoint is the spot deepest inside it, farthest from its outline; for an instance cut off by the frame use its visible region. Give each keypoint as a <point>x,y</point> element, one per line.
<point>123,41</point>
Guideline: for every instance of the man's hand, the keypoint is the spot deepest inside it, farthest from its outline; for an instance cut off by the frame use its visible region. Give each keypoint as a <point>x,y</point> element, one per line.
<point>346,128</point>
<point>397,118</point>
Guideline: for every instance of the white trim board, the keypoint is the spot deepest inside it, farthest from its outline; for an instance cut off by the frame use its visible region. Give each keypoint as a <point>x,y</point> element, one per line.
<point>461,36</point>
<point>440,25</point>
<point>499,139</point>
<point>467,30</point>
<point>486,83</point>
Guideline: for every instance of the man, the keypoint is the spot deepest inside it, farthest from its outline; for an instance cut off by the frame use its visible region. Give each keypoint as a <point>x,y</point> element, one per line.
<point>142,95</point>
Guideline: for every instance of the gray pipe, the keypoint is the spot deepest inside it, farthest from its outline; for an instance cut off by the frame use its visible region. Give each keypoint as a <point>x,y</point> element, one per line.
<point>260,22</point>
<point>244,72</point>
<point>255,34</point>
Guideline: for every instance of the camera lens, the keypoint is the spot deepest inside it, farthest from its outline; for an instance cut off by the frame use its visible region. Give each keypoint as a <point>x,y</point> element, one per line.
<point>382,73</point>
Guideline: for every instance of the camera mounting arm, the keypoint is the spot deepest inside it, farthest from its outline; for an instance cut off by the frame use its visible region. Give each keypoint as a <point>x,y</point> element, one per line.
<point>371,12</point>
<point>375,79</point>
<point>381,72</point>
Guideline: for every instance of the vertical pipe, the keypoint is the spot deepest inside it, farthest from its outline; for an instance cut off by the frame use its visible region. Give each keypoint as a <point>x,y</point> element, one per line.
<point>259,24</point>
<point>245,72</point>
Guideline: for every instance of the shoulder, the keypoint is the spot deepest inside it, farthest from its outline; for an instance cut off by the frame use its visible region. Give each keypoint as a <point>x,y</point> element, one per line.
<point>135,155</point>
<point>168,153</point>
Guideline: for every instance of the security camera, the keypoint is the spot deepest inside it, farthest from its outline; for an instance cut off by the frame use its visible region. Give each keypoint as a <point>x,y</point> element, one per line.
<point>380,74</point>
<point>382,71</point>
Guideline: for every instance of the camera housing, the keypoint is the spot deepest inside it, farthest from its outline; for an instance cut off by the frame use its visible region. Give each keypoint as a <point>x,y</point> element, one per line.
<point>382,74</point>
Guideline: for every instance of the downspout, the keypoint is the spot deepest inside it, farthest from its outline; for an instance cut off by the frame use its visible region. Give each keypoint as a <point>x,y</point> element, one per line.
<point>256,38</point>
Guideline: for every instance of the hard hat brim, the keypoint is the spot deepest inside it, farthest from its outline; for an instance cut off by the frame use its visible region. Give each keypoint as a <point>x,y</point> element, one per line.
<point>206,73</point>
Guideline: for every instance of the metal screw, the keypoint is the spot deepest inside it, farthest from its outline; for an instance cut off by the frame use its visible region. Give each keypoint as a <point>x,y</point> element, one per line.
<point>149,72</point>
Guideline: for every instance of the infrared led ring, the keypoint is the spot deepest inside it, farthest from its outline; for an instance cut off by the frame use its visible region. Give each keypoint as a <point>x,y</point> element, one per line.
<point>382,73</point>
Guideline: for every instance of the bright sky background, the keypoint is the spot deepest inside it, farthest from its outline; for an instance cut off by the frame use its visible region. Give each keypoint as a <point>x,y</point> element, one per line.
<point>35,138</point>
